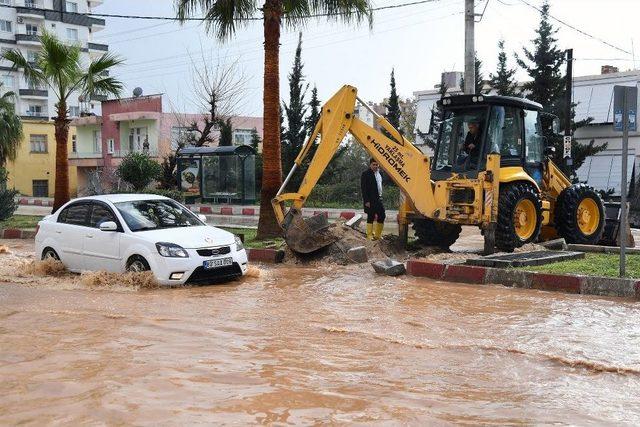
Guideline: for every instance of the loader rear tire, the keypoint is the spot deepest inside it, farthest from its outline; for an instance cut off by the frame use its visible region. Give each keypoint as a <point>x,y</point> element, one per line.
<point>579,215</point>
<point>436,233</point>
<point>519,216</point>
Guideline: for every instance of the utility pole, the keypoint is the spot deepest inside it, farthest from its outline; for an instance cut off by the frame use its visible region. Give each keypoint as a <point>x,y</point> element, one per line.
<point>469,48</point>
<point>568,159</point>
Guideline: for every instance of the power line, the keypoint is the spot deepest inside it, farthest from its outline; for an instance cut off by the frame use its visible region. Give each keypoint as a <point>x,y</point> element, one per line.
<point>576,29</point>
<point>202,19</point>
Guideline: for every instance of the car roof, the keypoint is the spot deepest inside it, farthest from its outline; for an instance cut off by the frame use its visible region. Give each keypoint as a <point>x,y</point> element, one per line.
<point>116,198</point>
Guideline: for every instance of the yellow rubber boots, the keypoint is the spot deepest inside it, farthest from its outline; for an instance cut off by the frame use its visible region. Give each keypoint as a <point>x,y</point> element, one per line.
<point>377,230</point>
<point>369,231</point>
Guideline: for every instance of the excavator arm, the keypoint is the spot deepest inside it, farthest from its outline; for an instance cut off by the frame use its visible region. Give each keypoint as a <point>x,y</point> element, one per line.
<point>402,161</point>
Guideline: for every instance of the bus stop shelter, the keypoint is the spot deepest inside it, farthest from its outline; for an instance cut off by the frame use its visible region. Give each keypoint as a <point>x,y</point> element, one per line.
<point>217,174</point>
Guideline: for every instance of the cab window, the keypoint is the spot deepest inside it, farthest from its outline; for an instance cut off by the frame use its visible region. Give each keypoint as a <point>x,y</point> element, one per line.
<point>533,137</point>
<point>76,214</point>
<point>505,132</point>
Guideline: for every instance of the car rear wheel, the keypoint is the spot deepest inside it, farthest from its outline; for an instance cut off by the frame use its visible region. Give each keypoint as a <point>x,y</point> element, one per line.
<point>137,264</point>
<point>49,253</point>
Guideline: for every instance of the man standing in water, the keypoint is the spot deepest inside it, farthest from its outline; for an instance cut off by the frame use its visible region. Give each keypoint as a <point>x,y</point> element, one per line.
<point>371,187</point>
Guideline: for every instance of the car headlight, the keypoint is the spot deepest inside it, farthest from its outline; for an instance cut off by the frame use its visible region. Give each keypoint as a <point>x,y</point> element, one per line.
<point>171,250</point>
<point>239,245</point>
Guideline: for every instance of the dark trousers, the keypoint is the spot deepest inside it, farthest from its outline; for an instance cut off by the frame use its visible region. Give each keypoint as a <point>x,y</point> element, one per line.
<point>375,212</point>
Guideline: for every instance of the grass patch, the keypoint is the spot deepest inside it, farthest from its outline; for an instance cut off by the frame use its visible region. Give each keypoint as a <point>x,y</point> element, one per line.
<point>21,221</point>
<point>250,240</point>
<point>604,265</point>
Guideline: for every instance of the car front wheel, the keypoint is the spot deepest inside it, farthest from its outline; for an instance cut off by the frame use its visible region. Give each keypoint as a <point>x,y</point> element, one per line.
<point>49,253</point>
<point>137,264</point>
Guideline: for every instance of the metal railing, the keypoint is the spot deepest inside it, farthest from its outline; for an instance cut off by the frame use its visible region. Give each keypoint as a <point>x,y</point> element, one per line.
<point>86,155</point>
<point>124,153</point>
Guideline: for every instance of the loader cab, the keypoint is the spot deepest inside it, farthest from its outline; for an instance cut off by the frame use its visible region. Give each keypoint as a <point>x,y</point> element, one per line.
<point>474,126</point>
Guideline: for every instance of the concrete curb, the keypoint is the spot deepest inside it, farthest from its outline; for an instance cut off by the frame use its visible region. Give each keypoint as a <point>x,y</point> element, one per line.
<point>16,233</point>
<point>586,285</point>
<point>270,256</point>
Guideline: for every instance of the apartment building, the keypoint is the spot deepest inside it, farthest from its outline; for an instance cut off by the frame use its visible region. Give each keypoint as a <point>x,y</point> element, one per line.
<point>136,124</point>
<point>21,24</point>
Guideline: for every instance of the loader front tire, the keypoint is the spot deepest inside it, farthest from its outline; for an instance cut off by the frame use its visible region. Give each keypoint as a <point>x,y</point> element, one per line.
<point>436,233</point>
<point>579,215</point>
<point>519,216</point>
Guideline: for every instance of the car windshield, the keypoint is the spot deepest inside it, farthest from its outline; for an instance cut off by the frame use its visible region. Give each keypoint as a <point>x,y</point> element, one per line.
<point>460,139</point>
<point>141,215</point>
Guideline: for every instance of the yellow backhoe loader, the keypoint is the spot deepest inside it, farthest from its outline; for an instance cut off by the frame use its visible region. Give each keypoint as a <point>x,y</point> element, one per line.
<point>506,185</point>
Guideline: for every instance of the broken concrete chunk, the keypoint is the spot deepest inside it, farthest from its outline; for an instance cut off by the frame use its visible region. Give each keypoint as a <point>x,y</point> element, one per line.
<point>556,244</point>
<point>357,254</point>
<point>389,267</point>
<point>354,222</point>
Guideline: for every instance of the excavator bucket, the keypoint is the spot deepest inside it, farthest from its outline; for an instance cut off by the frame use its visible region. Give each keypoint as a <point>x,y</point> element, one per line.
<point>307,235</point>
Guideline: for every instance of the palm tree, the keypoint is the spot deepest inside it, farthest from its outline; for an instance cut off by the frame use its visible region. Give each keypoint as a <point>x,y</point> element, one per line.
<point>10,129</point>
<point>59,67</point>
<point>223,17</point>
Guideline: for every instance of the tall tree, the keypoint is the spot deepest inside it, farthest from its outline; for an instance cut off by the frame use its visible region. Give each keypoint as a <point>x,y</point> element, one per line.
<point>10,129</point>
<point>479,85</point>
<point>544,64</point>
<point>295,132</point>
<point>393,105</point>
<point>408,119</point>
<point>503,81</point>
<point>223,17</point>
<point>226,132</point>
<point>314,111</point>
<point>59,66</point>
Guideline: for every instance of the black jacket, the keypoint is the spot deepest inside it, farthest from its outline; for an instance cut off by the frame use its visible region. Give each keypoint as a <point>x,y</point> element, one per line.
<point>369,187</point>
<point>475,140</point>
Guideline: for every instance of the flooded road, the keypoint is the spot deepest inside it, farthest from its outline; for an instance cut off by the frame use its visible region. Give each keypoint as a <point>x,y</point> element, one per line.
<point>306,345</point>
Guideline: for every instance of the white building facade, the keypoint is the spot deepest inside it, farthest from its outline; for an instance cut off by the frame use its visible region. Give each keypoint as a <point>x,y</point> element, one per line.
<point>21,24</point>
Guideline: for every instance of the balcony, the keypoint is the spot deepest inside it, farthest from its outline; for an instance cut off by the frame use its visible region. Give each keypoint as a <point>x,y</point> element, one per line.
<point>124,153</point>
<point>98,47</point>
<point>31,12</point>
<point>97,24</point>
<point>35,116</point>
<point>28,39</point>
<point>95,3</point>
<point>34,93</point>
<point>86,159</point>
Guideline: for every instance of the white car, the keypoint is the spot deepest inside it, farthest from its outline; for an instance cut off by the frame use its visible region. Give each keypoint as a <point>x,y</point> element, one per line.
<point>139,232</point>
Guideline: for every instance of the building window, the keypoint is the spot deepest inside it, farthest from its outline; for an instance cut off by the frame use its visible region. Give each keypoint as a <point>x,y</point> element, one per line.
<point>72,34</point>
<point>32,29</point>
<point>38,143</point>
<point>6,26</point>
<point>31,3</point>
<point>7,81</point>
<point>242,137</point>
<point>110,146</point>
<point>6,2</point>
<point>74,111</point>
<point>34,111</point>
<point>97,141</point>
<point>181,135</point>
<point>72,7</point>
<point>32,56</point>
<point>74,144</point>
<point>40,188</point>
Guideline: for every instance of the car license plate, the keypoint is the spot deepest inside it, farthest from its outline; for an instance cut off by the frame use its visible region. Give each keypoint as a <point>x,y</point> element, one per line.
<point>217,263</point>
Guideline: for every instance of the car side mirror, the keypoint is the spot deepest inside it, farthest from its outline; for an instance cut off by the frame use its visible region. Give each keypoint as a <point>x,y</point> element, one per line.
<point>202,218</point>
<point>108,226</point>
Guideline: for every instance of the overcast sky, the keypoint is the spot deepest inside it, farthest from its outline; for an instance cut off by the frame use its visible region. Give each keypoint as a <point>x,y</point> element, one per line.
<point>418,41</point>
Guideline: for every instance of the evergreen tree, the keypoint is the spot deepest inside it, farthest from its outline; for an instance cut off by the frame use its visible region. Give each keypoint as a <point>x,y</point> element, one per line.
<point>408,120</point>
<point>255,139</point>
<point>314,111</point>
<point>547,87</point>
<point>503,81</point>
<point>479,84</point>
<point>295,132</point>
<point>226,132</point>
<point>393,105</point>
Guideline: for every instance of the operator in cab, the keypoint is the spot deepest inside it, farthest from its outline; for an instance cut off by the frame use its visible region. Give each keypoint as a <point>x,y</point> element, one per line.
<point>371,187</point>
<point>473,141</point>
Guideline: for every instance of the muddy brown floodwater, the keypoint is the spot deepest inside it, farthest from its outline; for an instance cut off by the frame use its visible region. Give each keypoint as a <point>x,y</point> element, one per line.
<point>305,345</point>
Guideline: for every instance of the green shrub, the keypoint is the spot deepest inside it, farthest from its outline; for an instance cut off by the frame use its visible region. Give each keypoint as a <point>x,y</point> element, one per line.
<point>139,170</point>
<point>8,203</point>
